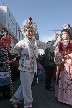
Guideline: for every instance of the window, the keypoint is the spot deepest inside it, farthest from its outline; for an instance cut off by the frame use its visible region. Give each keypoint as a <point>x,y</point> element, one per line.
<point>9,15</point>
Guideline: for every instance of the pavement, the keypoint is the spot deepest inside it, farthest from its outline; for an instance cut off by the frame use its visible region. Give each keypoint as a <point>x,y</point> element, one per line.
<point>42,98</point>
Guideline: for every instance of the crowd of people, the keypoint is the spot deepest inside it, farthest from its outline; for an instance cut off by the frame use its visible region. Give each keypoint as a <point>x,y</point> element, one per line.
<point>7,69</point>
<point>56,62</point>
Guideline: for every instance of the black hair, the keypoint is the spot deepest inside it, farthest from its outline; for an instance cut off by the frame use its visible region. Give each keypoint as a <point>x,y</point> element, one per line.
<point>66,30</point>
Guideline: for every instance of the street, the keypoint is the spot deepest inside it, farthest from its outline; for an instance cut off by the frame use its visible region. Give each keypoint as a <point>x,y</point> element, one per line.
<point>42,98</point>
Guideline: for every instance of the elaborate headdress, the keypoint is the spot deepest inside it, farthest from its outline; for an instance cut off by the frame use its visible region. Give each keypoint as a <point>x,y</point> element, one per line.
<point>66,28</point>
<point>29,24</point>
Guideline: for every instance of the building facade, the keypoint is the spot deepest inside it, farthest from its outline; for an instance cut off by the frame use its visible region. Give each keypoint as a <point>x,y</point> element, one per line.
<point>8,21</point>
<point>19,32</point>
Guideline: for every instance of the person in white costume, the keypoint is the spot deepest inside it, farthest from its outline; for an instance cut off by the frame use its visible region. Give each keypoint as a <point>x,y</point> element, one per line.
<point>28,50</point>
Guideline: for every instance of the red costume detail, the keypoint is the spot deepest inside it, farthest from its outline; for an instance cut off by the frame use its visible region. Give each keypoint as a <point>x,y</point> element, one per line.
<point>5,40</point>
<point>18,105</point>
<point>30,20</point>
<point>61,47</point>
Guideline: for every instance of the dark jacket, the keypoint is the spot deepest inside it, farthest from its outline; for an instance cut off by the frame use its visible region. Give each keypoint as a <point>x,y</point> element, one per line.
<point>49,57</point>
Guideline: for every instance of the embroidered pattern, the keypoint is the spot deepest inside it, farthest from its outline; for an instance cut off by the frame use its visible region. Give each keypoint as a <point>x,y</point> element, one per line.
<point>28,55</point>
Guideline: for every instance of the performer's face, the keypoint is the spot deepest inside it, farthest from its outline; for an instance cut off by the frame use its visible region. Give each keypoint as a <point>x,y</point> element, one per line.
<point>30,33</point>
<point>65,36</point>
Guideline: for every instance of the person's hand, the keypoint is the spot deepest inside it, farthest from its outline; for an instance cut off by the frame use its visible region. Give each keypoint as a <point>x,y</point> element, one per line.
<point>62,60</point>
<point>56,35</point>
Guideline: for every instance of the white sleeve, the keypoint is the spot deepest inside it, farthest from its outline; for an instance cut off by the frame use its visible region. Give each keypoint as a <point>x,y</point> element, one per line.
<point>43,45</point>
<point>17,48</point>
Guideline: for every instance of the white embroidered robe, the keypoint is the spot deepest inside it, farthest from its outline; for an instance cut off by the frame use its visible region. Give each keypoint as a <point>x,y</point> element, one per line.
<point>28,54</point>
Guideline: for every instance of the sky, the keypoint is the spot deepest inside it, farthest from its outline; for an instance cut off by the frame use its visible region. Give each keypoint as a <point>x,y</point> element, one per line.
<point>48,14</point>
